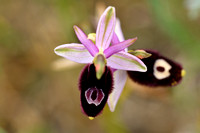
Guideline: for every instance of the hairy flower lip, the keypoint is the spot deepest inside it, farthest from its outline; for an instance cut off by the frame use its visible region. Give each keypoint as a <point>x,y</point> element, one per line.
<point>88,80</point>
<point>149,78</point>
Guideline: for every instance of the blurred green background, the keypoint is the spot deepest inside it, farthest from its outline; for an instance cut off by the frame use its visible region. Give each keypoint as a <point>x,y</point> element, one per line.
<point>36,97</point>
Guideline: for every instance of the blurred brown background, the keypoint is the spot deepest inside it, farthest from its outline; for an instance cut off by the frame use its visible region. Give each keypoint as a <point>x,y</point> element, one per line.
<point>36,97</point>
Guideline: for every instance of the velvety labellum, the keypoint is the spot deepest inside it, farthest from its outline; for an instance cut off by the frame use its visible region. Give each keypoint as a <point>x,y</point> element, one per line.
<point>161,71</point>
<point>94,92</point>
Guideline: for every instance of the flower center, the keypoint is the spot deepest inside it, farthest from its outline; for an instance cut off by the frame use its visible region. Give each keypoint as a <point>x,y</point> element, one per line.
<point>94,96</point>
<point>99,63</point>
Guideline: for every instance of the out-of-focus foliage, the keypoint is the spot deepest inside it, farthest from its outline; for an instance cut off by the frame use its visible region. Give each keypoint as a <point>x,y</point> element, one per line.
<point>34,98</point>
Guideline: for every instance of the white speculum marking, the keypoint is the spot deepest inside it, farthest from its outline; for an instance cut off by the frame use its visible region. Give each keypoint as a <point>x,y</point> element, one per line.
<point>161,69</point>
<point>94,96</point>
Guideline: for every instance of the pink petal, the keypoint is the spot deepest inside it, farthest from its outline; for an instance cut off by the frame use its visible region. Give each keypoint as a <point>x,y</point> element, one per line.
<point>118,34</point>
<point>74,52</point>
<point>118,31</point>
<point>115,39</point>
<point>105,28</point>
<point>120,77</point>
<point>91,47</point>
<point>118,47</point>
<point>126,61</point>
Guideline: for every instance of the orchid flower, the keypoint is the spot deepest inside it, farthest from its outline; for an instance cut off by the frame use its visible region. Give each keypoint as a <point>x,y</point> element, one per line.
<point>96,79</point>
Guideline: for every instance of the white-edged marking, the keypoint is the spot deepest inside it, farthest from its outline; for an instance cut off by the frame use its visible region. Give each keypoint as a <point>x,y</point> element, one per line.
<point>161,74</point>
<point>99,96</point>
